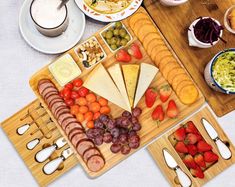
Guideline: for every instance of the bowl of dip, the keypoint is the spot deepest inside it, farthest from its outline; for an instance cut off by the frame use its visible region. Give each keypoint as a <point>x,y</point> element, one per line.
<point>220,72</point>
<point>172,2</point>
<point>48,18</point>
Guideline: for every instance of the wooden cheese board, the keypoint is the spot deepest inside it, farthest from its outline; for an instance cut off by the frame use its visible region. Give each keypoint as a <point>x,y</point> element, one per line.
<point>46,132</point>
<point>155,149</point>
<point>149,130</point>
<point>194,59</point>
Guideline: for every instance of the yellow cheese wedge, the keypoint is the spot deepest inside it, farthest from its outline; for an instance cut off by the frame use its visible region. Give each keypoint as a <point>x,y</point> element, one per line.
<point>147,74</point>
<point>64,69</point>
<point>100,82</point>
<point>131,73</point>
<point>116,74</point>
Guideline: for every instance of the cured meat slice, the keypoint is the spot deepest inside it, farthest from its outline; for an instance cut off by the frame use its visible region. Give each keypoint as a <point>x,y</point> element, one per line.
<point>95,163</point>
<point>56,106</point>
<point>43,81</point>
<point>72,126</point>
<point>61,111</point>
<point>49,91</point>
<point>68,122</point>
<point>52,97</point>
<point>42,87</point>
<point>78,138</point>
<point>62,117</point>
<point>74,132</point>
<point>54,101</point>
<point>90,152</point>
<point>83,145</point>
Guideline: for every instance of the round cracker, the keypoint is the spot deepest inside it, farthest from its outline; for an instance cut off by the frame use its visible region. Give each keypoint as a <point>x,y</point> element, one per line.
<point>165,61</point>
<point>181,85</point>
<point>179,78</point>
<point>144,30</point>
<point>137,16</point>
<point>188,94</point>
<point>161,55</point>
<point>154,43</point>
<point>156,50</point>
<point>173,73</point>
<point>149,37</point>
<point>166,69</point>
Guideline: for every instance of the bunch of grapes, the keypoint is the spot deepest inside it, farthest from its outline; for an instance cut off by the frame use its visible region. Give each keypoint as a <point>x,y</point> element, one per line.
<point>121,131</point>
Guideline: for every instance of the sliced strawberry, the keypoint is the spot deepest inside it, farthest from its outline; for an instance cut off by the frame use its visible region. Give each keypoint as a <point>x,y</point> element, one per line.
<point>189,162</point>
<point>179,134</point>
<point>181,147</point>
<point>190,127</point>
<point>209,156</point>
<point>172,110</point>
<point>192,149</point>
<point>150,97</point>
<point>123,56</point>
<point>197,172</point>
<point>158,114</point>
<point>199,159</point>
<point>134,50</point>
<point>190,139</point>
<point>165,92</point>
<point>202,146</point>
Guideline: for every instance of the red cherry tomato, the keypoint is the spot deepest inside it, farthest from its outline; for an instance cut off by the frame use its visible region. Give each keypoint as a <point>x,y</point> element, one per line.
<point>77,82</point>
<point>67,93</point>
<point>69,102</point>
<point>62,93</point>
<point>74,95</point>
<point>69,86</point>
<point>83,91</point>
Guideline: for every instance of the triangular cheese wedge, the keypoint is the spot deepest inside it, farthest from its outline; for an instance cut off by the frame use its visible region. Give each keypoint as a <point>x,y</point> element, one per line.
<point>131,73</point>
<point>116,74</point>
<point>99,82</point>
<point>147,74</point>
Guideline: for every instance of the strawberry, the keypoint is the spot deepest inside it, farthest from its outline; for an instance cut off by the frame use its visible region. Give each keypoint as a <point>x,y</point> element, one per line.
<point>190,139</point>
<point>150,97</point>
<point>197,172</point>
<point>181,147</point>
<point>179,134</point>
<point>158,113</point>
<point>189,162</point>
<point>202,146</point>
<point>199,159</point>
<point>209,156</point>
<point>192,149</point>
<point>199,137</point>
<point>134,50</point>
<point>172,110</point>
<point>123,56</point>
<point>165,92</point>
<point>190,127</point>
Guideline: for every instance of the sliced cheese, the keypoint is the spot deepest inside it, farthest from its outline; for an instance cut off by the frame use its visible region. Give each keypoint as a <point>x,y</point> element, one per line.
<point>99,82</point>
<point>147,74</point>
<point>116,74</point>
<point>131,73</point>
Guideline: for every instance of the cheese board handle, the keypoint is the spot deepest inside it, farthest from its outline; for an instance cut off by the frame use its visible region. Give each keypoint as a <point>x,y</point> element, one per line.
<point>184,179</point>
<point>52,166</point>
<point>44,154</point>
<point>223,149</point>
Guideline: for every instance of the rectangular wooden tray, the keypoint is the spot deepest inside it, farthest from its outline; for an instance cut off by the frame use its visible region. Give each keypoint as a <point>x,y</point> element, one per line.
<point>155,149</point>
<point>149,129</point>
<point>175,29</point>
<point>10,127</point>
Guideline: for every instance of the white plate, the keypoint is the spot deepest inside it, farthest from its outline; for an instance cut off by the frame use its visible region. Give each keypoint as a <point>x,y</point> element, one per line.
<point>54,45</point>
<point>109,17</point>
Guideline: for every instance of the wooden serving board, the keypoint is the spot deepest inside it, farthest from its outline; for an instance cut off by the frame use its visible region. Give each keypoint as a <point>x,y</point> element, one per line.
<point>36,130</point>
<point>155,149</point>
<point>173,22</point>
<point>149,130</point>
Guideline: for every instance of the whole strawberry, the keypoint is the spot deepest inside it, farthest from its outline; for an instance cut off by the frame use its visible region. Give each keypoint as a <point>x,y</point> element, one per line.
<point>197,172</point>
<point>202,146</point>
<point>123,56</point>
<point>150,97</point>
<point>179,134</point>
<point>209,156</point>
<point>199,159</point>
<point>134,50</point>
<point>165,92</point>
<point>172,110</point>
<point>190,138</point>
<point>190,127</point>
<point>180,147</point>
<point>189,162</point>
<point>192,149</point>
<point>158,114</point>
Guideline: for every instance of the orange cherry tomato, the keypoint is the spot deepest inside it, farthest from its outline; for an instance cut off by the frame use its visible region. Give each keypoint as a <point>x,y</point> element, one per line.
<point>81,101</point>
<point>74,109</point>
<point>95,107</point>
<point>88,116</point>
<point>91,97</point>
<point>103,101</point>
<point>80,117</point>
<point>104,110</point>
<point>96,115</point>
<point>90,124</point>
<point>83,109</point>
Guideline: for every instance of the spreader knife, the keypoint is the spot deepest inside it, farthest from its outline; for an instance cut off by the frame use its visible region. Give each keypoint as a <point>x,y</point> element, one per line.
<point>223,149</point>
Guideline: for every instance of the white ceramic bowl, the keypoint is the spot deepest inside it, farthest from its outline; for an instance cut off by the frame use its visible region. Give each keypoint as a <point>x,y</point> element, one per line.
<point>199,43</point>
<point>226,21</point>
<point>172,2</point>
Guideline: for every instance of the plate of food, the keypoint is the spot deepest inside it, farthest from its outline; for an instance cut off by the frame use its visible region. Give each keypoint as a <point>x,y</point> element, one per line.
<point>108,10</point>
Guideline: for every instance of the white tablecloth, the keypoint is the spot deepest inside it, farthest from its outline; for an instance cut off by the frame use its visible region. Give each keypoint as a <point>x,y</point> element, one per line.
<point>18,62</point>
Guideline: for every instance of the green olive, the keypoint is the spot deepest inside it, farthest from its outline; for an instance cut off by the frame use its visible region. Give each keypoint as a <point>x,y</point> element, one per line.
<point>116,32</point>
<point>111,28</point>
<point>109,34</point>
<point>113,47</point>
<point>109,41</point>
<point>127,37</point>
<point>118,25</point>
<point>123,42</point>
<point>104,34</point>
<point>122,33</point>
<point>118,42</point>
<point>113,40</point>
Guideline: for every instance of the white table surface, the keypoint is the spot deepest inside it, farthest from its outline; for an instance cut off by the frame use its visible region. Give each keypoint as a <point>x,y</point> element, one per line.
<point>18,62</point>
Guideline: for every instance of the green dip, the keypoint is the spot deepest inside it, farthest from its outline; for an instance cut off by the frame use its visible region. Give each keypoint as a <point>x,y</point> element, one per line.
<point>223,71</point>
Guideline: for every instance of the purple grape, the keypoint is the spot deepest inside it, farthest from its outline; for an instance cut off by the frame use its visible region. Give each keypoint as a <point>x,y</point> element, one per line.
<point>134,145</point>
<point>90,133</point>
<point>98,140</point>
<point>118,121</point>
<point>136,112</point>
<point>125,122</point>
<point>104,119</point>
<point>115,148</point>
<point>111,124</point>
<point>98,124</point>
<point>125,149</point>
<point>123,138</point>
<point>107,137</point>
<point>133,139</point>
<point>115,132</point>
<point>134,120</point>
<point>115,140</point>
<point>132,133</point>
<point>126,114</point>
<point>136,127</point>
<point>123,130</point>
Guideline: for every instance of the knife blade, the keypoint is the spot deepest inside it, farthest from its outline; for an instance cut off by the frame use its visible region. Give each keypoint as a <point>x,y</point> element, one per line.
<point>184,179</point>
<point>222,147</point>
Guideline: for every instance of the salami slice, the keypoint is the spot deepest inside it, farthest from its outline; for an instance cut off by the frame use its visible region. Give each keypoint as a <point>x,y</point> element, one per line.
<point>83,145</point>
<point>90,152</point>
<point>68,122</point>
<point>51,98</point>
<point>74,131</point>
<point>56,106</point>
<point>78,138</point>
<point>61,111</point>
<point>95,163</point>
<point>62,117</point>
<point>42,87</point>
<point>49,91</point>
<point>72,126</point>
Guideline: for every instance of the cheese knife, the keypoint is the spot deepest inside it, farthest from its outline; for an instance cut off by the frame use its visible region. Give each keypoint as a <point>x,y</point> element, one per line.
<point>44,154</point>
<point>53,165</point>
<point>222,147</point>
<point>184,179</point>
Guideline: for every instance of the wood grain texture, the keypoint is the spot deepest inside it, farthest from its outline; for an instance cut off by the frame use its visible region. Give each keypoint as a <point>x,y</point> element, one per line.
<point>175,28</point>
<point>155,149</point>
<point>13,123</point>
<point>149,130</point>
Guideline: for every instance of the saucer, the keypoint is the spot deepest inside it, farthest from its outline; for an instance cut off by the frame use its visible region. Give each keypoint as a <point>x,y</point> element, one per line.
<point>52,45</point>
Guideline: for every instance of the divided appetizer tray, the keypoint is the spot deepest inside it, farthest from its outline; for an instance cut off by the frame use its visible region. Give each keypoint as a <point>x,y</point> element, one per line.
<point>167,141</point>
<point>99,59</point>
<point>195,59</point>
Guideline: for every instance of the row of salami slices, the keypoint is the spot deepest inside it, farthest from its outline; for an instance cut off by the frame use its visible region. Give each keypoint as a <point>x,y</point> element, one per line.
<point>72,128</point>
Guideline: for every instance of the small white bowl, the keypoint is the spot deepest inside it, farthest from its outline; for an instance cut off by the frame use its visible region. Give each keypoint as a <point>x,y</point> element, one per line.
<point>172,2</point>
<point>226,21</point>
<point>198,43</point>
